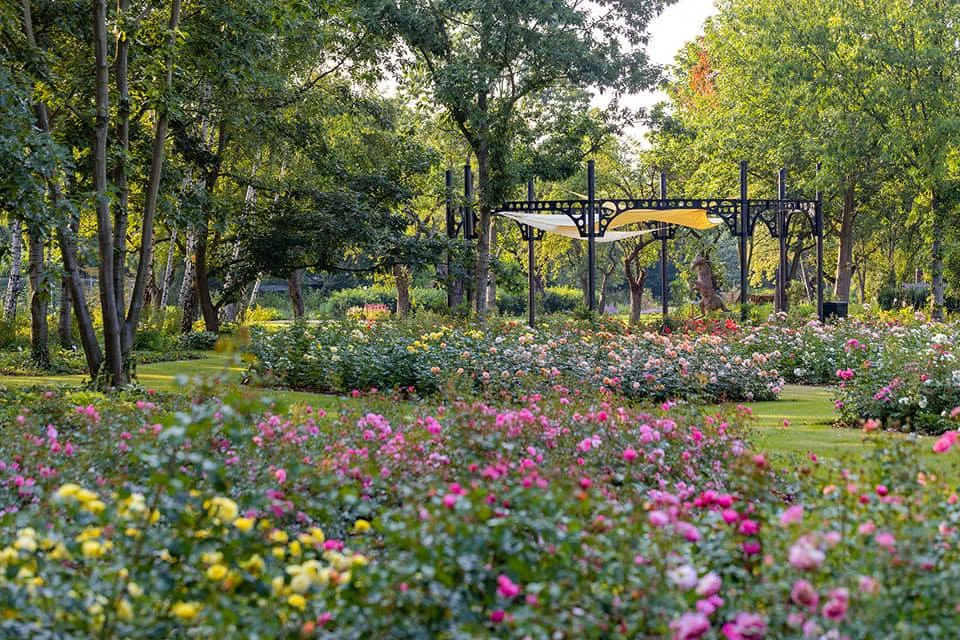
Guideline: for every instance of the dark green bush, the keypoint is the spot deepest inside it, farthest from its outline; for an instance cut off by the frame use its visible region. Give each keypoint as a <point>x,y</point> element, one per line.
<point>559,299</point>
<point>154,340</point>
<point>198,340</point>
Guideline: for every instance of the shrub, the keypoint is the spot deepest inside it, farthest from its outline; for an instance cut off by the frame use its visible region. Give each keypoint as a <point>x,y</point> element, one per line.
<point>147,339</point>
<point>561,299</point>
<point>198,340</point>
<point>257,314</point>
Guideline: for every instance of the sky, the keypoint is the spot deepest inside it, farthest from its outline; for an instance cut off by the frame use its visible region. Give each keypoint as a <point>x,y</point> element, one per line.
<point>677,25</point>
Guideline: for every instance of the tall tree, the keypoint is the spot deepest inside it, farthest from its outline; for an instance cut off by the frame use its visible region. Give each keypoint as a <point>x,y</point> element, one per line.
<point>480,60</point>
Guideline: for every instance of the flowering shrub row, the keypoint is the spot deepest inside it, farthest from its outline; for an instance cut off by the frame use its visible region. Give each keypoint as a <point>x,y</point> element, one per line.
<point>559,515</point>
<point>509,357</point>
<point>904,375</point>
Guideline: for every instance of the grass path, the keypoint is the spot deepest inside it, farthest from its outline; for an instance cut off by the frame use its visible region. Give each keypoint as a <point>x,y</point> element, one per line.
<point>809,410</point>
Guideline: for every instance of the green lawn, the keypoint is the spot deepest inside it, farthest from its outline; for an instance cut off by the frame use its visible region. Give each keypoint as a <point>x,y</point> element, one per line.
<point>809,410</point>
<point>810,414</point>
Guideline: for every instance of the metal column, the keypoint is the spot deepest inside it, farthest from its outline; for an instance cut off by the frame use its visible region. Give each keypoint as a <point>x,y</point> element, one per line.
<point>468,202</point>
<point>818,227</point>
<point>664,301</point>
<point>531,262</point>
<point>591,233</point>
<point>782,267</point>
<point>451,233</point>
<point>744,234</point>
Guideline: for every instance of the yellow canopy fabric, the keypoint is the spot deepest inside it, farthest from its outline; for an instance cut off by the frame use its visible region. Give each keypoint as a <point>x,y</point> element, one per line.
<point>693,218</point>
<point>564,226</point>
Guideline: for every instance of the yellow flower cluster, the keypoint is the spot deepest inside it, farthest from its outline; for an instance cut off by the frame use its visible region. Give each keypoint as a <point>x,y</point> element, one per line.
<point>87,499</point>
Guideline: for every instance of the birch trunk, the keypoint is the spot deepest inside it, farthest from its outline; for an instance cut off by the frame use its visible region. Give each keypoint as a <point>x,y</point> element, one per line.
<point>168,272</point>
<point>187,300</point>
<point>16,265</point>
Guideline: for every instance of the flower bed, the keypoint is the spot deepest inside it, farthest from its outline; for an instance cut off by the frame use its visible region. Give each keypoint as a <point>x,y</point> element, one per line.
<point>509,357</point>
<point>556,515</point>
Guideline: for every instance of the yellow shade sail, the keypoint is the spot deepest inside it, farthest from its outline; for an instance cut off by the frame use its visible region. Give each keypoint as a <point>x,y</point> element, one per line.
<point>561,224</point>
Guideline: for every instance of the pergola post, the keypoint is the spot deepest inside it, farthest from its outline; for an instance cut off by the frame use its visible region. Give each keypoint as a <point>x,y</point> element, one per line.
<point>664,302</point>
<point>451,233</point>
<point>591,233</point>
<point>781,297</point>
<point>531,262</point>
<point>468,202</point>
<point>744,234</point>
<point>467,222</point>
<point>818,228</point>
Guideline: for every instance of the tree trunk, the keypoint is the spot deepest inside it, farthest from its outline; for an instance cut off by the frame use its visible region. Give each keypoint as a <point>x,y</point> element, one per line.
<point>115,371</point>
<point>491,290</point>
<point>636,298</point>
<point>121,209</point>
<point>145,263</point>
<point>168,273</point>
<point>64,324</point>
<point>401,275</point>
<point>482,268</point>
<point>211,317</point>
<point>938,215</point>
<point>255,290</point>
<point>16,265</point>
<point>39,343</point>
<point>295,292</point>
<point>65,237</point>
<point>188,300</point>
<point>602,306</point>
<point>845,254</point>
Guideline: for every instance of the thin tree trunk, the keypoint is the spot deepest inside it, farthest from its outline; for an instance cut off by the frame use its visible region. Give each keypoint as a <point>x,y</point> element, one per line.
<point>64,324</point>
<point>491,290</point>
<point>16,265</point>
<point>168,272</point>
<point>255,291</point>
<point>938,216</point>
<point>39,342</point>
<point>845,254</point>
<point>210,313</point>
<point>121,208</point>
<point>145,263</point>
<point>65,237</point>
<point>115,370</point>
<point>295,292</point>
<point>401,276</point>
<point>187,300</point>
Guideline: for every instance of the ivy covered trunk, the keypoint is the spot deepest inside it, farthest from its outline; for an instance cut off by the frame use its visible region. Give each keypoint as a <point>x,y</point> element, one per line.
<point>39,347</point>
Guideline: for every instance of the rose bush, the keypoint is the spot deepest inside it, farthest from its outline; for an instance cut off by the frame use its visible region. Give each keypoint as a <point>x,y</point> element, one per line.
<point>558,514</point>
<point>512,358</point>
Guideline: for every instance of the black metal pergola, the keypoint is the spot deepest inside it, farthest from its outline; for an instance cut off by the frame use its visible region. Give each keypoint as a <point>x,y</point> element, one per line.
<point>593,216</point>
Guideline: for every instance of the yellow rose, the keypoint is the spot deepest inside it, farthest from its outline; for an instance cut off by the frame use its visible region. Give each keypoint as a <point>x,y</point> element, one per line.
<point>124,610</point>
<point>186,610</point>
<point>68,490</point>
<point>91,549</point>
<point>134,589</point>
<point>217,572</point>
<point>297,601</point>
<point>244,524</point>
<point>361,526</point>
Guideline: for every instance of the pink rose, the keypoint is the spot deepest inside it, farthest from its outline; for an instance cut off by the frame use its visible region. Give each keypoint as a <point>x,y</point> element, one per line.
<point>690,626</point>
